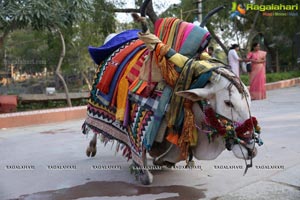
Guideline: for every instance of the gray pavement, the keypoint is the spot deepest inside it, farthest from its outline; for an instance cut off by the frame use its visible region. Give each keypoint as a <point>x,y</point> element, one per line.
<point>49,162</point>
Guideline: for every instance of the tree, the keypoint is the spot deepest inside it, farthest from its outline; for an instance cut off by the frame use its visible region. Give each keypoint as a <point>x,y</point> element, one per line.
<point>273,32</point>
<point>92,32</point>
<point>54,16</point>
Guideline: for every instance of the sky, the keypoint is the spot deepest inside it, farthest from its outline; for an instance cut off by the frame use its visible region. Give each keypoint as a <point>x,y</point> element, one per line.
<point>123,17</point>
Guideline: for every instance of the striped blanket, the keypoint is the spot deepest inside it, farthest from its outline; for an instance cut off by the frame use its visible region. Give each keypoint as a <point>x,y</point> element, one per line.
<point>117,111</point>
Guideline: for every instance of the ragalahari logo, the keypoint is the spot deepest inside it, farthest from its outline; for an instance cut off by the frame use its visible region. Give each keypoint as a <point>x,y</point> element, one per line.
<point>281,10</point>
<point>237,10</point>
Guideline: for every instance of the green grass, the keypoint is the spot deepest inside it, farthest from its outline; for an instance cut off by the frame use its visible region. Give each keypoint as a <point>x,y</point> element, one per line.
<point>50,104</point>
<point>273,77</point>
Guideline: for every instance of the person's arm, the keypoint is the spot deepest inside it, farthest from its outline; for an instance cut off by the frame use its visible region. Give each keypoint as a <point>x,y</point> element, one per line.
<point>236,56</point>
<point>250,58</point>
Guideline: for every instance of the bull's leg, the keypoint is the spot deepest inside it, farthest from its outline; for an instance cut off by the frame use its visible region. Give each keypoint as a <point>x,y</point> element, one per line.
<point>142,173</point>
<point>146,177</point>
<point>190,163</point>
<point>92,148</point>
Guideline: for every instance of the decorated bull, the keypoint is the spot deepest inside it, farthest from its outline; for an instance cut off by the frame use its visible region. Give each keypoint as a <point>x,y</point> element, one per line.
<point>154,98</point>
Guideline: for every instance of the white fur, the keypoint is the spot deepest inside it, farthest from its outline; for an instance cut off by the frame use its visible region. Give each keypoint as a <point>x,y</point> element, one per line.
<point>216,92</point>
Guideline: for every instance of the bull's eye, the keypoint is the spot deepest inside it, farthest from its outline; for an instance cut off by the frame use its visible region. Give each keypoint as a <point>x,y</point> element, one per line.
<point>228,103</point>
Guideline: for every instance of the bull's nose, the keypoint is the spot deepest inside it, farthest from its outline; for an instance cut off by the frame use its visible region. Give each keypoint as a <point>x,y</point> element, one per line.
<point>252,153</point>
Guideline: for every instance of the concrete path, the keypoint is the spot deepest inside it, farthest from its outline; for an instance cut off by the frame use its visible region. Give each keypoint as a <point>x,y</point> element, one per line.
<point>48,162</point>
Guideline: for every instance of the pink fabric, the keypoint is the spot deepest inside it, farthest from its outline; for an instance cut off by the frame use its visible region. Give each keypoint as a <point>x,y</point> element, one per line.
<point>157,25</point>
<point>187,32</point>
<point>257,75</point>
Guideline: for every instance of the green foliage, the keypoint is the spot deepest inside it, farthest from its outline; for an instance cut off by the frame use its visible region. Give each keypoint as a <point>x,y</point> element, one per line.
<point>27,50</point>
<point>273,77</point>
<point>49,105</point>
<point>42,14</point>
<point>82,23</point>
<point>276,34</point>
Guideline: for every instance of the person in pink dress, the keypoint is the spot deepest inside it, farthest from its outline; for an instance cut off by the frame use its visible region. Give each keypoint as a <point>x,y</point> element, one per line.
<point>257,75</point>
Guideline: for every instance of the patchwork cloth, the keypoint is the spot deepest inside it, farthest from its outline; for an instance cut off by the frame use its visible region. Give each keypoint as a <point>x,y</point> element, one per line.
<point>128,52</point>
<point>120,61</point>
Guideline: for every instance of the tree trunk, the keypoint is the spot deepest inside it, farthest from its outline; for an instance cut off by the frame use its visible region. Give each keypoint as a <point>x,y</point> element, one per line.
<point>252,32</point>
<point>86,80</point>
<point>57,71</point>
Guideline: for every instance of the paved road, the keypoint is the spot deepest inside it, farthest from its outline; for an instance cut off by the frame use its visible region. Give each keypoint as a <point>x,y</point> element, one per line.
<point>49,162</point>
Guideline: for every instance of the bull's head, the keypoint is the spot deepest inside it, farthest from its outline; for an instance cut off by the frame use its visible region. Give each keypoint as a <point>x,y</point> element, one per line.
<point>230,100</point>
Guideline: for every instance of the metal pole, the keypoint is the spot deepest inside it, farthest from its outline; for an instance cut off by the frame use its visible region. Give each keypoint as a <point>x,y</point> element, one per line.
<point>200,11</point>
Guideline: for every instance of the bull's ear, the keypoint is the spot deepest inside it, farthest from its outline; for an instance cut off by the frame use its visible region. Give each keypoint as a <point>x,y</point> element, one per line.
<point>196,94</point>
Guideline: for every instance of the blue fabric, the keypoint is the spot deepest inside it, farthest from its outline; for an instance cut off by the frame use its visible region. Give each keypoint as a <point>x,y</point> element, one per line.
<point>201,81</point>
<point>106,98</point>
<point>193,42</point>
<point>98,54</point>
<point>158,116</point>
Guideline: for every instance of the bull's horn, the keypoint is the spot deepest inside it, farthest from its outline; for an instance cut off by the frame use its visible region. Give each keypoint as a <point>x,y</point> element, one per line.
<point>211,13</point>
<point>143,14</point>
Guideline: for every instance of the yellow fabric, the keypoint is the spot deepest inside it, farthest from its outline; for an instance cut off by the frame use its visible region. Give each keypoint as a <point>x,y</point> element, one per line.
<point>205,56</point>
<point>167,68</point>
<point>123,86</point>
<point>178,59</point>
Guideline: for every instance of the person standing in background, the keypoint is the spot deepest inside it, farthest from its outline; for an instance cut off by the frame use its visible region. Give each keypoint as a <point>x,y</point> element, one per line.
<point>257,75</point>
<point>234,59</point>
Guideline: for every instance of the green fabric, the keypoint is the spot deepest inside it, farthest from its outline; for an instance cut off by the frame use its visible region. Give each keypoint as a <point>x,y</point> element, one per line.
<point>188,78</point>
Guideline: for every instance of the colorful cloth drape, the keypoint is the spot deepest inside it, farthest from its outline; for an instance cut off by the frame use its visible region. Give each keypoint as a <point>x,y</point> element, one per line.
<point>99,54</point>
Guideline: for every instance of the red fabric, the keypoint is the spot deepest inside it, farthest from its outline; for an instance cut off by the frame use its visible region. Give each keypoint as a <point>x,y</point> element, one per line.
<point>108,75</point>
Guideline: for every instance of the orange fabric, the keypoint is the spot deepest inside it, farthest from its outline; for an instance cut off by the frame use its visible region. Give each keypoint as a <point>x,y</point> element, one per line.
<point>108,75</point>
<point>167,28</point>
<point>141,88</point>
<point>113,64</point>
<point>125,71</point>
<point>173,138</point>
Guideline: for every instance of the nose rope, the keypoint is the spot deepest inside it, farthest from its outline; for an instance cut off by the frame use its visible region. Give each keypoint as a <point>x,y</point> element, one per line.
<point>240,87</point>
<point>243,93</point>
<point>250,116</point>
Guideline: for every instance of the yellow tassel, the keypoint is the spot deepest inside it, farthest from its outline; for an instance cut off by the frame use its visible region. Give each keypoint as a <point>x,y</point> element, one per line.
<point>167,68</point>
<point>187,137</point>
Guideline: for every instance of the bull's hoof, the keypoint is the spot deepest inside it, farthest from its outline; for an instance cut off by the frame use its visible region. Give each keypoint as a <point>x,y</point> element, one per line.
<point>91,151</point>
<point>161,163</point>
<point>190,164</point>
<point>146,178</point>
